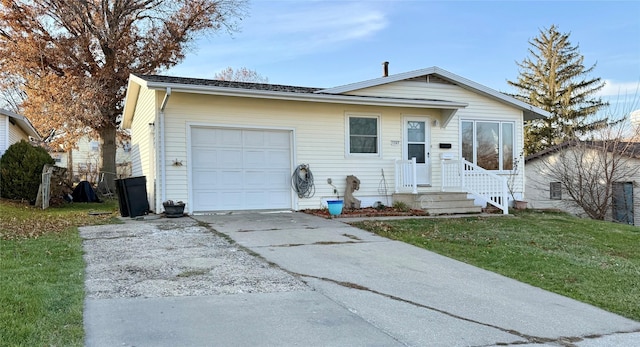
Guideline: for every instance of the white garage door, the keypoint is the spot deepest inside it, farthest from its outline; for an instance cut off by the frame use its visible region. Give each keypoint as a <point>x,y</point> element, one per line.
<point>240,169</point>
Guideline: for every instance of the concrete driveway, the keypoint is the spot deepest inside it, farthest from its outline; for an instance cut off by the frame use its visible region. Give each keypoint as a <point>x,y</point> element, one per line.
<point>363,290</point>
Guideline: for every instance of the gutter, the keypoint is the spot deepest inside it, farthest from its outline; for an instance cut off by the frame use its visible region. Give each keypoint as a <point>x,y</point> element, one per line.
<point>161,144</point>
<point>328,98</point>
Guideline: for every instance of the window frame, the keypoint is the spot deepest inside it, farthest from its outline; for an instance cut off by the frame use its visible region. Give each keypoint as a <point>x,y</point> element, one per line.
<point>555,191</point>
<point>347,148</point>
<point>500,142</point>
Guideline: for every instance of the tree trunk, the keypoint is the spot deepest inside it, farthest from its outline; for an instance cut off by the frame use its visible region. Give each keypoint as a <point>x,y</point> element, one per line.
<point>108,150</point>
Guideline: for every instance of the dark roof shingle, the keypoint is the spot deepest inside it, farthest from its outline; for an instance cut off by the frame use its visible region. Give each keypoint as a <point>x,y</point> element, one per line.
<point>228,84</point>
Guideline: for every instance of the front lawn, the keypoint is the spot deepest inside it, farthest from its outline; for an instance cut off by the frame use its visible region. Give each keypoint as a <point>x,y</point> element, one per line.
<point>42,272</point>
<point>591,261</point>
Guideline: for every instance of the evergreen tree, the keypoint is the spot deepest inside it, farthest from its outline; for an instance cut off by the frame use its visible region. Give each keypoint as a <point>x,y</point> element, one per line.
<point>555,79</point>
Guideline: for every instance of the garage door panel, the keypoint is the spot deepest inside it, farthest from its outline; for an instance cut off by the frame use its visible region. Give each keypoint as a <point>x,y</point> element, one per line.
<point>231,179</point>
<point>228,137</point>
<point>231,200</point>
<point>279,158</point>
<point>205,179</point>
<point>202,137</point>
<point>280,179</point>
<point>255,159</point>
<point>254,139</point>
<point>254,179</point>
<point>280,199</point>
<point>205,157</point>
<point>230,159</point>
<point>206,200</point>
<point>239,169</point>
<point>256,199</point>
<point>278,140</point>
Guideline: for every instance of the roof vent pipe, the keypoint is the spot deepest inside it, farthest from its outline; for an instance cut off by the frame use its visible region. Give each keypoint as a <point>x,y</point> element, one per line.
<point>385,69</point>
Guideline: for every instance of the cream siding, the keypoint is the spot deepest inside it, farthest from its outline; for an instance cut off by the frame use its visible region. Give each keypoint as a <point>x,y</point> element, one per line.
<point>319,140</point>
<point>142,153</point>
<point>86,160</point>
<point>16,134</point>
<point>10,134</point>
<point>480,108</point>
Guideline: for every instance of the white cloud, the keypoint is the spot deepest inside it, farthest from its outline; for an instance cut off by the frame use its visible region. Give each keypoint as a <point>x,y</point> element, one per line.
<point>284,30</point>
<point>615,89</point>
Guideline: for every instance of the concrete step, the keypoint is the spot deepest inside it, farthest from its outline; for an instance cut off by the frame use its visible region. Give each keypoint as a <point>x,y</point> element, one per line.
<point>454,210</point>
<point>438,203</point>
<point>426,201</point>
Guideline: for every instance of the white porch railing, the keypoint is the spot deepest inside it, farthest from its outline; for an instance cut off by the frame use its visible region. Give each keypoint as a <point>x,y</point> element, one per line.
<point>406,177</point>
<point>483,184</point>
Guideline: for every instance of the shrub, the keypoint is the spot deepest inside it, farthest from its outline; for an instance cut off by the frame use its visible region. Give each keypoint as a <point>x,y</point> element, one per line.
<point>401,206</point>
<point>21,171</point>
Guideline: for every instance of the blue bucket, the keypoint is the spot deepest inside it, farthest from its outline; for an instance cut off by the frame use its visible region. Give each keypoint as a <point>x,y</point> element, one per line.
<point>335,207</point>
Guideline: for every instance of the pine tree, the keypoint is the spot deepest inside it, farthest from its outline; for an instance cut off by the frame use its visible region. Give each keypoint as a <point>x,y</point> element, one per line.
<point>555,79</point>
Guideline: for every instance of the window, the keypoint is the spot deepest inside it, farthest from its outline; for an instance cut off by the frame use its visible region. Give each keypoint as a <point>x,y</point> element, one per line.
<point>95,146</point>
<point>363,135</point>
<point>555,189</point>
<point>488,144</point>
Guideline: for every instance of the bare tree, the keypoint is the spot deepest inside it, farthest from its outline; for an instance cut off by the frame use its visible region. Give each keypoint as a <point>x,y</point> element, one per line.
<point>588,170</point>
<point>11,96</point>
<point>73,58</point>
<point>242,74</point>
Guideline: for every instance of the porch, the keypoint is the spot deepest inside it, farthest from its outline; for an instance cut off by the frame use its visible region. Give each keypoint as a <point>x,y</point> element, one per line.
<point>460,178</point>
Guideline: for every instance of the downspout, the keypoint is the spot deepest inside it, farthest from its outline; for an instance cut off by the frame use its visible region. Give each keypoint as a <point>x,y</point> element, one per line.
<point>5,145</point>
<point>163,168</point>
<point>7,124</point>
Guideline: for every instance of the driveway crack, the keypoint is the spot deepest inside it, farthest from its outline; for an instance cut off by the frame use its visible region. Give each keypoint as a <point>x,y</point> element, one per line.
<point>564,341</point>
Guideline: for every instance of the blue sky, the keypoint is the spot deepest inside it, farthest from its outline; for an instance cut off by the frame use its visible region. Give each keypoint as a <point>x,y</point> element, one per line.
<point>331,43</point>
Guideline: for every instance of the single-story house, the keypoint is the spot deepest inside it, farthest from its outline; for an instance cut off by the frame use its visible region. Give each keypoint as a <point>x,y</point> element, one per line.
<point>84,161</point>
<point>13,128</point>
<point>221,145</point>
<point>548,172</point>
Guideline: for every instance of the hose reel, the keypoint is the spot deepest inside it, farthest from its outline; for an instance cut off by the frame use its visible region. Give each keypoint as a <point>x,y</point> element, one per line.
<point>302,181</point>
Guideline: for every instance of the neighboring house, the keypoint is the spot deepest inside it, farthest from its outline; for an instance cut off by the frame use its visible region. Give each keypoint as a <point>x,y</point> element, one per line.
<point>86,160</point>
<point>13,128</point>
<point>220,145</point>
<point>544,191</point>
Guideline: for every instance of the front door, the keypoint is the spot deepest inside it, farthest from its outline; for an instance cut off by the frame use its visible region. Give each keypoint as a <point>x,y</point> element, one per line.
<point>416,145</point>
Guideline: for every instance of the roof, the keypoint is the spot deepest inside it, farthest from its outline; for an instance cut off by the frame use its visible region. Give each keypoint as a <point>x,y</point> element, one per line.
<point>331,95</point>
<point>628,148</point>
<point>530,112</point>
<point>158,79</point>
<point>23,123</point>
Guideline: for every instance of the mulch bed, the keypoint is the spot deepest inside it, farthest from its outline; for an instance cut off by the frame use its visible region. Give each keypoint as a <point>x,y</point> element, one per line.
<point>367,212</point>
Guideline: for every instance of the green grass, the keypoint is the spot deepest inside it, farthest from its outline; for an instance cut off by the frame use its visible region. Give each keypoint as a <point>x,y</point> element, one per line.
<point>42,273</point>
<point>591,261</point>
<point>41,291</point>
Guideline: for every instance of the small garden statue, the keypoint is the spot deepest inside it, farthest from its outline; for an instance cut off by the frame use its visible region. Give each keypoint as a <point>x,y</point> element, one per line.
<point>353,184</point>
